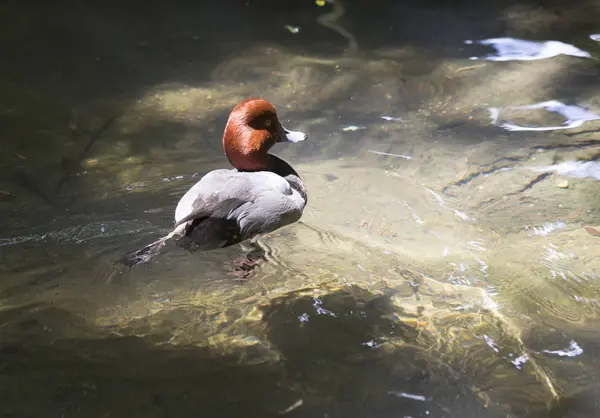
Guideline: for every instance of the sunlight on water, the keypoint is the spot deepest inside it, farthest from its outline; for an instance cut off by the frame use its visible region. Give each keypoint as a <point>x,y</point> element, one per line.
<point>445,266</point>
<point>577,169</point>
<point>509,49</point>
<point>574,116</point>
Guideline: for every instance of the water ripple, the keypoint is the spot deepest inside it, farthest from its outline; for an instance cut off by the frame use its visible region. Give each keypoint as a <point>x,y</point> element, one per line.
<point>83,233</point>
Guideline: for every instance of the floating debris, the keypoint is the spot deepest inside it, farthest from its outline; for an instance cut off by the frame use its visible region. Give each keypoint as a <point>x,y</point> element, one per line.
<point>577,169</point>
<point>320,3</point>
<point>575,116</point>
<point>562,183</point>
<point>573,350</point>
<point>511,49</point>
<point>406,157</point>
<point>592,231</point>
<point>90,162</point>
<point>292,407</point>
<point>352,128</point>
<point>292,29</point>
<point>595,37</point>
<point>390,118</point>
<point>409,396</point>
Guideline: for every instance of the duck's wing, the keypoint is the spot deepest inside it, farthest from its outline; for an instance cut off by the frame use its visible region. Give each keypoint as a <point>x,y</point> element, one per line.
<point>222,191</point>
<point>210,208</point>
<point>239,205</point>
<point>270,211</point>
<point>204,213</point>
<point>216,195</point>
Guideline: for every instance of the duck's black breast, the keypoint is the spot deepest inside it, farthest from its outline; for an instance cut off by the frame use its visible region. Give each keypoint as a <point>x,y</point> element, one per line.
<point>286,171</point>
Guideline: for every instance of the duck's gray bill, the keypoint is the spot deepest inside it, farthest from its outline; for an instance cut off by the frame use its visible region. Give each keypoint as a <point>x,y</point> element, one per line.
<point>293,136</point>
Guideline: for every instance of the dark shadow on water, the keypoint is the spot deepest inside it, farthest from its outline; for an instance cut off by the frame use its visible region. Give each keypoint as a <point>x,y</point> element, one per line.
<point>92,58</point>
<point>336,360</point>
<point>584,404</point>
<point>333,362</point>
<point>335,351</point>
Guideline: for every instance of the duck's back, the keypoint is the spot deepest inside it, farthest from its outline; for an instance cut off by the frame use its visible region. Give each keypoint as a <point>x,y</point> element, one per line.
<point>228,206</point>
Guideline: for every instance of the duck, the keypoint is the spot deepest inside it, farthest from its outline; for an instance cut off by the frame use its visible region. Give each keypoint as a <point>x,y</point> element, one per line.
<point>260,194</point>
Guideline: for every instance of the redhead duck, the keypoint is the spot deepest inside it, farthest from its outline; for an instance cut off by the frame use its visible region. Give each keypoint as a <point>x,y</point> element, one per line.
<point>260,194</point>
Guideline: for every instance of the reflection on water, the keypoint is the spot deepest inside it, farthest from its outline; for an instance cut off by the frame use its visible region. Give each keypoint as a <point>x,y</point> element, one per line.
<point>443,268</point>
<point>509,49</point>
<point>578,169</point>
<point>574,116</point>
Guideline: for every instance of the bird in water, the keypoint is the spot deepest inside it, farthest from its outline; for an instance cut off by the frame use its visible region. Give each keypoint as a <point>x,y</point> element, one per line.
<point>261,194</point>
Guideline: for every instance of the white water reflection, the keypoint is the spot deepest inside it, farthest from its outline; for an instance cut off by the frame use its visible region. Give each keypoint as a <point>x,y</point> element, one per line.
<point>575,116</point>
<point>491,343</point>
<point>353,128</point>
<point>573,350</point>
<point>520,361</point>
<point>510,49</point>
<point>545,229</point>
<point>595,37</point>
<point>441,202</point>
<point>391,118</point>
<point>577,169</point>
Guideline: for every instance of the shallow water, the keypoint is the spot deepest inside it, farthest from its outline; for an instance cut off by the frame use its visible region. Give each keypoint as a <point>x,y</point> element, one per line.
<point>446,265</point>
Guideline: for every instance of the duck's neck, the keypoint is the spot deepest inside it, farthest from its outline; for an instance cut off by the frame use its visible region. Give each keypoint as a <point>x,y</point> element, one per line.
<point>280,167</point>
<point>268,162</point>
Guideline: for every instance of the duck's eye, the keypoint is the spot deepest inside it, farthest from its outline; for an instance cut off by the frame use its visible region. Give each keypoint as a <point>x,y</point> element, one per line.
<point>268,122</point>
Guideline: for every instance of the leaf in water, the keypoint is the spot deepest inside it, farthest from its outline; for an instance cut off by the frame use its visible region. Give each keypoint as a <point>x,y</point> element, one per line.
<point>592,231</point>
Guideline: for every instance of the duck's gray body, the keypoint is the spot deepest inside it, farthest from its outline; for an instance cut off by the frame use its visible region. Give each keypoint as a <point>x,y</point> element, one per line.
<point>229,206</point>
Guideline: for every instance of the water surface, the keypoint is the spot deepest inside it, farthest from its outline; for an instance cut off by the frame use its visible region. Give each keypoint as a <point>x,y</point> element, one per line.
<point>446,266</point>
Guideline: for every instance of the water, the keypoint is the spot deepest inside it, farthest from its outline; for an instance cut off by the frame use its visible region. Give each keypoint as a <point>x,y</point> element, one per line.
<point>444,267</point>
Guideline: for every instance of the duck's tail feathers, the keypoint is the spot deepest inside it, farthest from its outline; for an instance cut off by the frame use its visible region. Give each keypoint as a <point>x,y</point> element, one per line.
<point>146,254</point>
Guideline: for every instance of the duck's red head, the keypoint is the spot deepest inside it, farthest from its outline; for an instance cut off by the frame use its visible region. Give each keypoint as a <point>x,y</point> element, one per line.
<point>252,129</point>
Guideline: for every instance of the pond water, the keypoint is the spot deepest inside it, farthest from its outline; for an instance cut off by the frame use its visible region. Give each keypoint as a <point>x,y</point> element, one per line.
<point>447,263</point>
